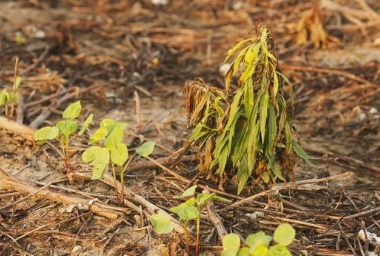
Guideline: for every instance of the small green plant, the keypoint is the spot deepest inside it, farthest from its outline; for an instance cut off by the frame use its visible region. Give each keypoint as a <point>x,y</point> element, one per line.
<point>247,133</point>
<point>109,150</point>
<point>187,211</point>
<point>64,131</point>
<point>258,244</point>
<point>11,98</point>
<point>5,99</point>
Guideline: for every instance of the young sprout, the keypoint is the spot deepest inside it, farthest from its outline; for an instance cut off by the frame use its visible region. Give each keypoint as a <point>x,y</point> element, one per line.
<point>109,150</point>
<point>191,210</point>
<point>64,131</point>
<point>259,243</point>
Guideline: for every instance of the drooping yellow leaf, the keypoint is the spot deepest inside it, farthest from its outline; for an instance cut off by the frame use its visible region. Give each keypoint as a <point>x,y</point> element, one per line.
<point>236,47</point>
<point>246,74</point>
<point>276,83</point>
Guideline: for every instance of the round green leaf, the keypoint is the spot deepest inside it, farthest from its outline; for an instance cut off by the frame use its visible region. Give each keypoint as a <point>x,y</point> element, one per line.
<point>98,158</point>
<point>231,244</point>
<point>162,224</point>
<point>67,127</point>
<point>46,133</point>
<point>96,155</point>
<point>73,110</point>
<point>284,234</point>
<point>146,149</point>
<point>186,210</point>
<point>259,238</point>
<point>99,134</point>
<point>277,249</point>
<point>259,250</point>
<point>114,138</point>
<point>110,124</point>
<point>119,154</point>
<point>4,97</point>
<point>244,251</point>
<point>189,213</point>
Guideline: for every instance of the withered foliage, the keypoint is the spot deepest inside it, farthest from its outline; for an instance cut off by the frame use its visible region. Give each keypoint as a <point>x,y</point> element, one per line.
<point>246,133</point>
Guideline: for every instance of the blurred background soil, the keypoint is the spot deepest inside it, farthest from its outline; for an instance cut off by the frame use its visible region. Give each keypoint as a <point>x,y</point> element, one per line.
<point>129,60</point>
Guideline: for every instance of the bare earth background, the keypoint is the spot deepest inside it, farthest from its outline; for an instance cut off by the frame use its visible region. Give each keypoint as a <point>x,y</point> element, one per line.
<point>129,60</point>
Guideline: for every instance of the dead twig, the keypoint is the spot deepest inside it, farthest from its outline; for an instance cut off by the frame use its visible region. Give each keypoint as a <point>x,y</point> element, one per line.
<point>187,181</point>
<point>336,157</point>
<point>9,182</point>
<point>293,185</point>
<point>328,71</point>
<point>130,195</point>
<point>17,128</point>
<point>215,219</point>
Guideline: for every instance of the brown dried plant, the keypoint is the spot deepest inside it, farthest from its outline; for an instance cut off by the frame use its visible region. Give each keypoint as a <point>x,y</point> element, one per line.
<point>310,28</point>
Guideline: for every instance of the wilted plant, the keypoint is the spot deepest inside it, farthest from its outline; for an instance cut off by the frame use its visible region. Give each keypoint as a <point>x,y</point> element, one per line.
<point>64,130</point>
<point>310,29</point>
<point>248,132</point>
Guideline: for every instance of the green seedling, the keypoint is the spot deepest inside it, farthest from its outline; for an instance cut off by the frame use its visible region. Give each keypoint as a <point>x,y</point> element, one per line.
<point>246,133</point>
<point>109,150</point>
<point>258,244</point>
<point>11,98</point>
<point>191,210</point>
<point>64,131</point>
<point>7,98</point>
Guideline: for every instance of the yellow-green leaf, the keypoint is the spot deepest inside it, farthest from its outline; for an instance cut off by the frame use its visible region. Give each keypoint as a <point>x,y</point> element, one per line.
<point>284,234</point>
<point>72,111</point>
<point>162,224</point>
<point>237,47</point>
<point>119,154</point>
<point>146,149</point>
<point>46,133</point>
<point>263,115</point>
